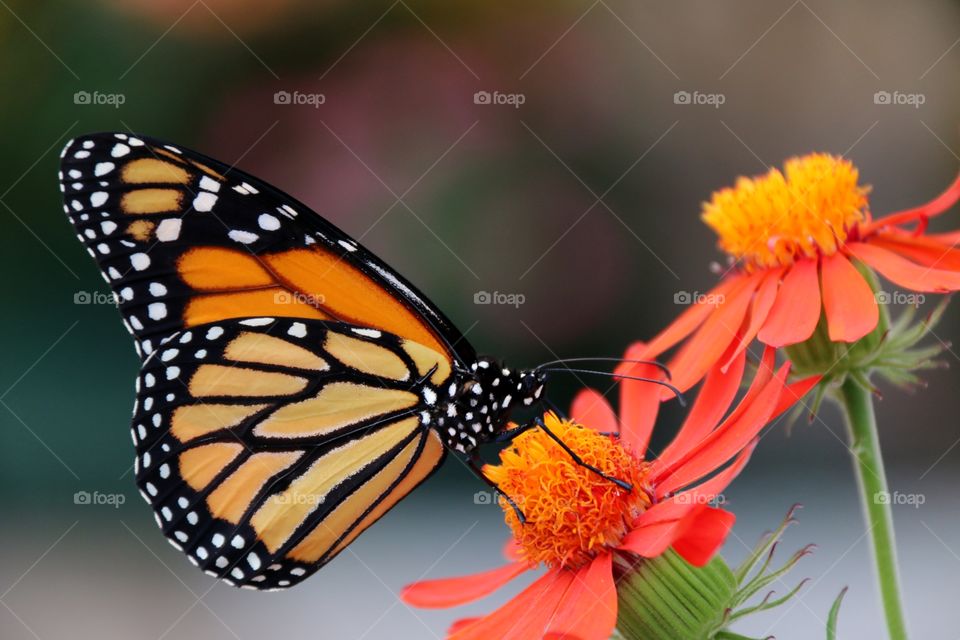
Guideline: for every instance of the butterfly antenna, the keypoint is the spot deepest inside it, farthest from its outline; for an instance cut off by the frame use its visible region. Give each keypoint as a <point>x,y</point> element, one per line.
<point>564,361</point>
<point>662,383</point>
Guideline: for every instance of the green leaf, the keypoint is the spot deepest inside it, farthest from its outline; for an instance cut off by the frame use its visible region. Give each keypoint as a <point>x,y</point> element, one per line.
<point>834,613</point>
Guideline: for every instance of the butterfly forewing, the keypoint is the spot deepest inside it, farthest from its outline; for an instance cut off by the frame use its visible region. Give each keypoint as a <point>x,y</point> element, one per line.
<point>265,445</point>
<point>185,240</point>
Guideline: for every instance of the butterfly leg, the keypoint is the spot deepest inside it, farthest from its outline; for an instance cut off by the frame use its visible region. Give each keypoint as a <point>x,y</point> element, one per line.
<point>617,481</point>
<point>476,465</point>
<point>510,434</point>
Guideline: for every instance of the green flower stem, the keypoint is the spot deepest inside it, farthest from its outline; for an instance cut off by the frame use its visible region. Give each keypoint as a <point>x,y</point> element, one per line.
<point>865,446</point>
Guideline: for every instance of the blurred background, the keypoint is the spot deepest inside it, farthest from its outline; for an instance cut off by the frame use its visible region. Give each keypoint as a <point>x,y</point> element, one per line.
<point>553,156</point>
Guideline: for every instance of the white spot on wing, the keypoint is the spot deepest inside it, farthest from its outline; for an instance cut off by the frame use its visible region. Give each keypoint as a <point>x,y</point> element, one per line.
<point>256,322</point>
<point>268,222</point>
<point>140,261</point>
<point>169,230</point>
<point>102,168</point>
<point>204,201</point>
<point>243,237</point>
<point>298,330</point>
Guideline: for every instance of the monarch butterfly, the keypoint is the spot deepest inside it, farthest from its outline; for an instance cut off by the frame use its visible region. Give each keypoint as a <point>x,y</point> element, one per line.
<point>293,386</point>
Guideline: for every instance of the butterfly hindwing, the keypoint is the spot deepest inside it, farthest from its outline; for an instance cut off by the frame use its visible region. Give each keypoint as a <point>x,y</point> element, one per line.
<point>266,445</point>
<point>185,240</point>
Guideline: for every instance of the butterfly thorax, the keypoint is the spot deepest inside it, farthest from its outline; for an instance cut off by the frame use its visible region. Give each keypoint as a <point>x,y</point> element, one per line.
<point>477,404</point>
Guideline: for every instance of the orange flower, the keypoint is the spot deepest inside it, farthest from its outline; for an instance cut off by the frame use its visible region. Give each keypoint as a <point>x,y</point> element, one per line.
<point>583,527</point>
<point>795,238</point>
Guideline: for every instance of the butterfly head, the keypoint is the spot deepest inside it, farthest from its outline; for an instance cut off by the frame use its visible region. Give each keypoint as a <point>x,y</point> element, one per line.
<point>512,387</point>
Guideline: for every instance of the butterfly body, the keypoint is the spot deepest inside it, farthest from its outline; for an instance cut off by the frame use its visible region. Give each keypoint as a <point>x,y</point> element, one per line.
<point>293,387</point>
<point>480,401</point>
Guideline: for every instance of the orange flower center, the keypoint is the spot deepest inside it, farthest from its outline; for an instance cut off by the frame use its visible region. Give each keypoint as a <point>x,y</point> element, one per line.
<point>571,512</point>
<point>774,219</point>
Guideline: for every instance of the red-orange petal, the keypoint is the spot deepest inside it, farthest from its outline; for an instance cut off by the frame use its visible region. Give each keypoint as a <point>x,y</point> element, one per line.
<point>903,272</point>
<point>931,251</point>
<point>712,402</point>
<point>451,592</point>
<point>512,550</point>
<point>656,530</point>
<point>705,535</point>
<point>796,311</point>
<point>692,317</point>
<point>848,300</point>
<point>950,238</point>
<point>706,491</point>
<point>711,340</point>
<point>639,404</point>
<point>592,410</point>
<point>729,438</point>
<point>461,624</point>
<point>588,610</point>
<point>759,310</point>
<point>793,393</point>
<point>935,207</point>
<point>761,377</point>
<point>526,616</point>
